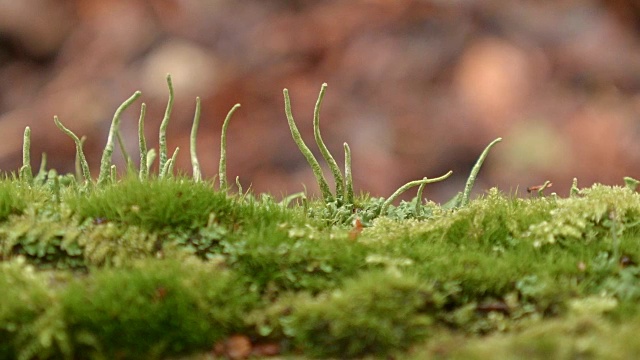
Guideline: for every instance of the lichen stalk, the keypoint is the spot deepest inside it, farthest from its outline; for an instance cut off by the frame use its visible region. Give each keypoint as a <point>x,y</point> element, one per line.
<point>173,160</point>
<point>114,174</point>
<point>77,162</point>
<point>86,173</point>
<point>408,186</point>
<point>142,144</point>
<point>42,171</point>
<point>167,170</point>
<point>195,164</point>
<point>304,149</point>
<point>123,150</point>
<point>105,163</point>
<point>333,165</point>
<point>163,156</point>
<point>349,195</point>
<point>151,157</point>
<point>222,167</point>
<point>474,173</point>
<point>26,174</point>
<point>419,198</point>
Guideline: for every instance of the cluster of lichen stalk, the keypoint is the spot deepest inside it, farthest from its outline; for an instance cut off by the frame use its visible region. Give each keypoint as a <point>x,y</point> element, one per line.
<point>147,156</point>
<point>344,193</point>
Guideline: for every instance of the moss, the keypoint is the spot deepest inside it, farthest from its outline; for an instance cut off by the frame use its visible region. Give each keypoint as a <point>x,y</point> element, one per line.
<point>155,308</point>
<point>374,314</point>
<point>25,296</point>
<point>12,198</point>
<point>167,203</point>
<point>156,266</point>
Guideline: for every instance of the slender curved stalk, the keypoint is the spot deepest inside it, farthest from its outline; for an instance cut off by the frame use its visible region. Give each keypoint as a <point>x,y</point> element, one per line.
<point>349,196</point>
<point>123,150</point>
<point>79,153</point>
<point>195,164</point>
<point>53,175</point>
<point>142,143</point>
<point>574,188</point>
<point>78,163</point>
<point>547,184</point>
<point>419,198</point>
<point>26,174</point>
<point>474,173</point>
<point>222,167</point>
<point>238,185</point>
<point>151,157</point>
<point>105,163</point>
<point>333,165</point>
<point>167,170</point>
<point>173,160</point>
<point>114,174</point>
<point>163,126</point>
<point>42,171</point>
<point>315,166</point>
<point>408,186</point>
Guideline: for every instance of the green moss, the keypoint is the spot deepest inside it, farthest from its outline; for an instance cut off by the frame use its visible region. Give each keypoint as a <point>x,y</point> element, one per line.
<point>154,205</point>
<point>375,314</point>
<point>156,266</point>
<point>25,297</point>
<point>156,308</point>
<point>12,198</point>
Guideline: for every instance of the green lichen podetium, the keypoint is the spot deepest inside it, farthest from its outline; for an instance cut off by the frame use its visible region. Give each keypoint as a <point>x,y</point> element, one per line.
<point>142,144</point>
<point>86,173</point>
<point>162,139</point>
<point>167,170</point>
<point>348,177</point>
<point>408,186</point>
<point>333,165</point>
<point>474,173</point>
<point>222,167</point>
<point>195,164</point>
<point>315,165</point>
<point>105,163</point>
<point>26,174</point>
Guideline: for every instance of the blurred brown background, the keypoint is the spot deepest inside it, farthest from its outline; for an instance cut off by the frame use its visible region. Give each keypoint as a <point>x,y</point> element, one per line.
<point>416,87</point>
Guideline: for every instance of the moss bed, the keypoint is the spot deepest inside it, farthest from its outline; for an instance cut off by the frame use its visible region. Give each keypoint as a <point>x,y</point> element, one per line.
<point>166,266</point>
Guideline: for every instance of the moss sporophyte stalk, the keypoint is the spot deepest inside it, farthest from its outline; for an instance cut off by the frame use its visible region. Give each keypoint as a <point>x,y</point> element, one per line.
<point>158,265</point>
